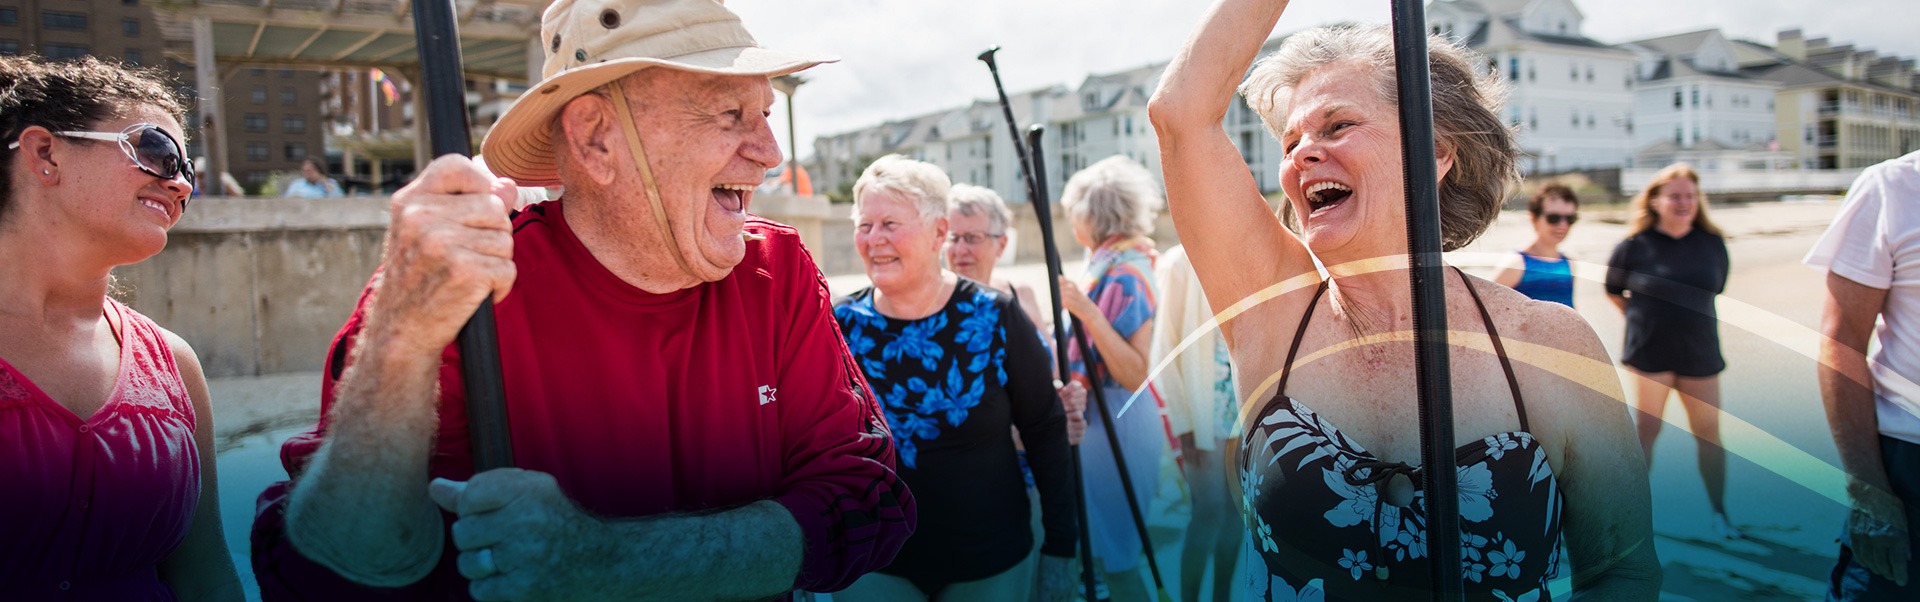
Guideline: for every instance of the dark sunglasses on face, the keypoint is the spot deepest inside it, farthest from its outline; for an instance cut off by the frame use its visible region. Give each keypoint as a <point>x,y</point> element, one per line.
<point>1555,219</point>
<point>151,148</point>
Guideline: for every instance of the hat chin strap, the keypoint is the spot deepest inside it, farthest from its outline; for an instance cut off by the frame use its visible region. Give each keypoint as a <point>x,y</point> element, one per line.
<point>646,175</point>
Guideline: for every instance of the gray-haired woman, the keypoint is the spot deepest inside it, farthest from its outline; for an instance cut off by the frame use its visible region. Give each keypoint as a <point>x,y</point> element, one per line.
<point>1111,205</point>
<point>979,221</point>
<point>955,364</point>
<point>1328,489</point>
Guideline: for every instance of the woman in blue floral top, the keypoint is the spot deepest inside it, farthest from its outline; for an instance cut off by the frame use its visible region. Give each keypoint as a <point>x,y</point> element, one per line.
<point>955,363</point>
<point>1112,205</point>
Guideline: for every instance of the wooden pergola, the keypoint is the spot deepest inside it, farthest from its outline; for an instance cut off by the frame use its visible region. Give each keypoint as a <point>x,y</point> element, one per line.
<point>220,36</point>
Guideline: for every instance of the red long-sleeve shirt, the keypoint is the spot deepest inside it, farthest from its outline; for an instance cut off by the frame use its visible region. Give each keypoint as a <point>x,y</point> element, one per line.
<point>706,398</point>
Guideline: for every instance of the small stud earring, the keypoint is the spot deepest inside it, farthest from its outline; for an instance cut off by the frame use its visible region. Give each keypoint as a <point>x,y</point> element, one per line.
<point>46,172</point>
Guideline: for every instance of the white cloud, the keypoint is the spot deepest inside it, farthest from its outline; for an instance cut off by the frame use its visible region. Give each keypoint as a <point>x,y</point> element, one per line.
<point>904,57</point>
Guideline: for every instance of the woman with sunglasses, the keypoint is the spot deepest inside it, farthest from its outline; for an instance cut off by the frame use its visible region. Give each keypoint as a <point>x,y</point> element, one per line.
<point>1540,270</point>
<point>106,436</point>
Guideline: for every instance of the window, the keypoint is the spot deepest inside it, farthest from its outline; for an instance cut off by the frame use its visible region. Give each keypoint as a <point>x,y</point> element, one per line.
<point>9,47</point>
<point>288,96</point>
<point>1573,72</point>
<point>1696,96</point>
<point>59,20</point>
<point>63,51</point>
<point>1589,74</point>
<point>130,2</point>
<point>295,151</point>
<point>255,122</point>
<point>1679,98</point>
<point>257,72</point>
<point>294,124</point>
<point>258,151</point>
<point>258,177</point>
<point>286,73</point>
<point>133,56</point>
<point>258,95</point>
<point>1576,118</point>
<point>1590,120</point>
<point>1679,136</point>
<point>9,15</point>
<point>1513,68</point>
<point>131,27</point>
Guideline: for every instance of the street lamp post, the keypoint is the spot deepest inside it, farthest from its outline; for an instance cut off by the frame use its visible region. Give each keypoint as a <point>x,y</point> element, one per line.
<point>787,84</point>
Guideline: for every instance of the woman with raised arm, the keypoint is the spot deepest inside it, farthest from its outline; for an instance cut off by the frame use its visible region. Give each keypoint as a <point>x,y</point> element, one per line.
<point>1329,489</point>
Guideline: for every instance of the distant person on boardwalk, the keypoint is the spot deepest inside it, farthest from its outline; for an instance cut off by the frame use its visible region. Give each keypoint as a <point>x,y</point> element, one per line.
<point>107,482</point>
<point>1540,271</point>
<point>1665,277</point>
<point>1872,256</point>
<point>313,182</point>
<point>687,422</point>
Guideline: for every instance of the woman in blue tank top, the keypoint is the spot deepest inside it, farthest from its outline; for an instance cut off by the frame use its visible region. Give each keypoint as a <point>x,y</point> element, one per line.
<point>1541,271</point>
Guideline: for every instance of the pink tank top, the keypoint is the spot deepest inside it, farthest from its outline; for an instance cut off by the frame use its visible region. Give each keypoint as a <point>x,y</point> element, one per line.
<point>89,507</point>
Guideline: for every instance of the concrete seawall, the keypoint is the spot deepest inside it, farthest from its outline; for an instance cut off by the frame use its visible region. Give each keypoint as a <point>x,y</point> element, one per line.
<point>260,286</point>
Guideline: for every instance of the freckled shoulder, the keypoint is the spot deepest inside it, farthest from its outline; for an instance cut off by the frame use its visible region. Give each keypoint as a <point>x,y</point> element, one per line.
<point>1566,376</point>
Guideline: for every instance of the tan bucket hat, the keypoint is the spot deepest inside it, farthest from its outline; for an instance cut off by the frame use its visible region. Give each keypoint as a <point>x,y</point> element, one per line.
<point>592,42</point>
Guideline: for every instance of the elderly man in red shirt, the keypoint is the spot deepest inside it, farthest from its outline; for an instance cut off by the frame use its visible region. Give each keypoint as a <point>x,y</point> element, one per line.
<point>686,417</point>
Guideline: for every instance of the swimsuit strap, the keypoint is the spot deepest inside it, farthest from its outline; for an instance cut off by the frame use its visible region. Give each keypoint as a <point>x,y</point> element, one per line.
<point>1286,370</point>
<point>1499,350</point>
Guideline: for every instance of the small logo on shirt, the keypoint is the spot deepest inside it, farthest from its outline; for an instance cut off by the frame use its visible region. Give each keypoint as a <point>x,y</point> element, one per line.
<point>766,394</point>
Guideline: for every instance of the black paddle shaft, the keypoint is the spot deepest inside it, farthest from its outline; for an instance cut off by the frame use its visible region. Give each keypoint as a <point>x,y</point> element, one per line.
<point>1428,276</point>
<point>444,85</point>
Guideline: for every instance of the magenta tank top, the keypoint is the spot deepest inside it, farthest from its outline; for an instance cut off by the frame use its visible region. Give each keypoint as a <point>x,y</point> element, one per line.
<point>89,507</point>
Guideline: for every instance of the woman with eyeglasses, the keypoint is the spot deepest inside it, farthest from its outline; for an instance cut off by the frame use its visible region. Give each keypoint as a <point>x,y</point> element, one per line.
<point>1540,270</point>
<point>978,220</point>
<point>955,364</point>
<point>106,436</point>
<point>1665,277</point>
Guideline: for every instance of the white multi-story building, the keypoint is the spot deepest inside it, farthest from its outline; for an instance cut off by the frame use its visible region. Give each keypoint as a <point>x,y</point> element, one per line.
<point>1572,98</point>
<point>1837,106</point>
<point>1105,115</point>
<point>1692,104</point>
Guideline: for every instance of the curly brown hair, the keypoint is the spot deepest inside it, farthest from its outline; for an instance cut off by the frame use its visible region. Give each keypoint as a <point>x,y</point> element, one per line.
<point>72,95</point>
<point>1466,113</point>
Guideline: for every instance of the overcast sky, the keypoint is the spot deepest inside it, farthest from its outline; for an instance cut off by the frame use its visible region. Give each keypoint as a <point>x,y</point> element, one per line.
<point>907,57</point>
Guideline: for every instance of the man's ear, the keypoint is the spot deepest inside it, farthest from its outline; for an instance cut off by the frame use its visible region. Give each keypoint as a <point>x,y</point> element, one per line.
<point>1443,160</point>
<point>587,133</point>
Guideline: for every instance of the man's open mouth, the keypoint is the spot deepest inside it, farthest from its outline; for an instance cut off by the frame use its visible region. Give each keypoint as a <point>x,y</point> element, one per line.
<point>732,197</point>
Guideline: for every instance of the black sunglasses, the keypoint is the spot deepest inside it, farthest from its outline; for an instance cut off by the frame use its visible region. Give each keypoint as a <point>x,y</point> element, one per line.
<point>1555,219</point>
<point>151,148</point>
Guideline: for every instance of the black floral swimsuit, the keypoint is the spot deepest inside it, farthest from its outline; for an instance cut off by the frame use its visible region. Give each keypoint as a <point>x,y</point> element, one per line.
<point>1320,525</point>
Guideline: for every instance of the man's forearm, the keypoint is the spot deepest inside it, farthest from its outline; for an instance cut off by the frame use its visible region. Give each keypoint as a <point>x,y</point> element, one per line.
<point>747,553</point>
<point>361,507</point>
<point>1846,390</point>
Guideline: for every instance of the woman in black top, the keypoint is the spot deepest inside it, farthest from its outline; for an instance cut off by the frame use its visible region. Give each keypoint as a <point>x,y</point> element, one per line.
<point>955,363</point>
<point>1665,276</point>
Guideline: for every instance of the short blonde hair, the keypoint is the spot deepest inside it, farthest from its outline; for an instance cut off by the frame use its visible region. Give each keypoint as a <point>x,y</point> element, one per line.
<point>1115,196</point>
<point>920,182</point>
<point>1466,113</point>
<point>967,199</point>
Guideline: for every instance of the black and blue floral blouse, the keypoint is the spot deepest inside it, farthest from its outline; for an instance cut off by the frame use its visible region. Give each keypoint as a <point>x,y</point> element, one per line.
<point>950,385</point>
